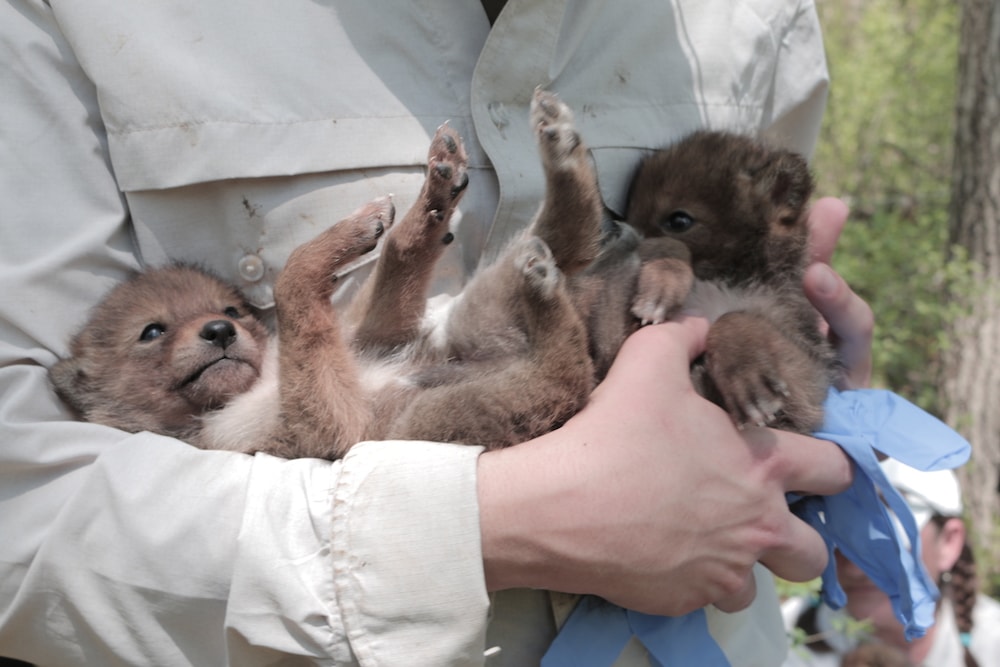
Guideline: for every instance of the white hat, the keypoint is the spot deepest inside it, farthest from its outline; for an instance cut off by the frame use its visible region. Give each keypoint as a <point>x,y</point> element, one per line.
<point>927,493</point>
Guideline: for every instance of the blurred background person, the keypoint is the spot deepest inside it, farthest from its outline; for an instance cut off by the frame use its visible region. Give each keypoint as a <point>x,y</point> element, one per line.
<point>967,628</point>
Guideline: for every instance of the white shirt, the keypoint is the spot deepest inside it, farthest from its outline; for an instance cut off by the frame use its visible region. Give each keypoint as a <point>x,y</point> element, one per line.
<point>226,133</point>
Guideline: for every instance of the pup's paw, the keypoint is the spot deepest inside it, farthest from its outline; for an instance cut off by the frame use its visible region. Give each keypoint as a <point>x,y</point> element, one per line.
<point>663,286</point>
<point>311,269</point>
<point>534,260</point>
<point>762,378</point>
<point>447,172</point>
<point>558,141</point>
<point>360,231</point>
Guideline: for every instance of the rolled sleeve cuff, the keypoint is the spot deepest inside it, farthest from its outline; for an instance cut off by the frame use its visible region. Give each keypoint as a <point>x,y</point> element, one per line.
<point>407,554</point>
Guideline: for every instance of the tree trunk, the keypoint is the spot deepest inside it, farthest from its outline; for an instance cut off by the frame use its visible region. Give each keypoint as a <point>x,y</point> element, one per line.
<point>972,382</point>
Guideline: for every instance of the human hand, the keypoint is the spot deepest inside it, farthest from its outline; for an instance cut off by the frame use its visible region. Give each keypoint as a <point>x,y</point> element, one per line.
<point>650,497</point>
<point>847,318</point>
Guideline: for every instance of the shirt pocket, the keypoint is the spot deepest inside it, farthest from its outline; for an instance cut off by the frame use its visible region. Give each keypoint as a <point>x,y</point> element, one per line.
<point>240,216</point>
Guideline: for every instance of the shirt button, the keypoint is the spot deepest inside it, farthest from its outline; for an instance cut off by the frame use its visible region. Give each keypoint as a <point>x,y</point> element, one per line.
<point>251,268</point>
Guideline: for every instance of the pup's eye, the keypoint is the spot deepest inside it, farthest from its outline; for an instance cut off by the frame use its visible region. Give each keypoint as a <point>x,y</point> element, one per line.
<point>152,331</point>
<point>676,222</point>
<point>231,312</point>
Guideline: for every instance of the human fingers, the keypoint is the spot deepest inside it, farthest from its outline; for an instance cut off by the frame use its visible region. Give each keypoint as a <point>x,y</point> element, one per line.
<point>800,463</point>
<point>796,553</point>
<point>661,353</point>
<point>808,466</point>
<point>793,550</point>
<point>741,599</point>
<point>850,321</point>
<point>827,218</point>
<point>801,554</point>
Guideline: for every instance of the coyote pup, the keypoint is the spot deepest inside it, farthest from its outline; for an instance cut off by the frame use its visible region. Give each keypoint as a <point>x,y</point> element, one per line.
<point>737,209</point>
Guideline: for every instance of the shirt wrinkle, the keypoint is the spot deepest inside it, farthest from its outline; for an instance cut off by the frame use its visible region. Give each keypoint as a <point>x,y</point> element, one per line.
<point>263,123</point>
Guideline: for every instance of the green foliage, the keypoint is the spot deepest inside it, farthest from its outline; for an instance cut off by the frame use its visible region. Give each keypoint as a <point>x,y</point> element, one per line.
<point>885,148</point>
<point>904,269</point>
<point>991,586</point>
<point>840,624</point>
<point>793,589</point>
<point>852,627</point>
<point>889,124</point>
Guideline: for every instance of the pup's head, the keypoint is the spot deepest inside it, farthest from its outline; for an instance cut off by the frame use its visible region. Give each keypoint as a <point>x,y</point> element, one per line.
<point>738,205</point>
<point>162,349</point>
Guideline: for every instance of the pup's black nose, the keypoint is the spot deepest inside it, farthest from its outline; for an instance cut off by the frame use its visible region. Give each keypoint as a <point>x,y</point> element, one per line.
<point>219,332</point>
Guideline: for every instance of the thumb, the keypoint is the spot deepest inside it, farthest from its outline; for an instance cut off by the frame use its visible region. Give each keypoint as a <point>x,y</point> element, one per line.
<point>827,218</point>
<point>850,320</point>
<point>662,353</point>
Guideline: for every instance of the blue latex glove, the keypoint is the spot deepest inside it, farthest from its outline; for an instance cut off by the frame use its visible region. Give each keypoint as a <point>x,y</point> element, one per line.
<point>855,522</point>
<point>597,632</point>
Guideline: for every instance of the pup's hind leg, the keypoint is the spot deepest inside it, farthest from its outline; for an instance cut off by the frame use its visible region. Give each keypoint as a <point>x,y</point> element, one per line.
<point>323,409</point>
<point>388,310</point>
<point>569,220</point>
<point>533,380</point>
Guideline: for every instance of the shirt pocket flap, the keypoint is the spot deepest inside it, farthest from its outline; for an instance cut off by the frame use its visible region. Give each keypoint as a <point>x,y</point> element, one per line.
<point>189,153</point>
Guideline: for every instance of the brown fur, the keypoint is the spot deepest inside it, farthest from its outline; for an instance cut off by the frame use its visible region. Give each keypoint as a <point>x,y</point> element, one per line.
<point>508,363</point>
<point>739,210</point>
<point>115,378</point>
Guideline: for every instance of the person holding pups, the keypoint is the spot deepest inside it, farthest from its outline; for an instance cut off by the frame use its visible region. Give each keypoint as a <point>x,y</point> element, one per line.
<point>192,132</point>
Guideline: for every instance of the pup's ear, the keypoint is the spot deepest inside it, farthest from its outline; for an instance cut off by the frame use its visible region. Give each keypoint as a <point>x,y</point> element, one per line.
<point>71,382</point>
<point>786,182</point>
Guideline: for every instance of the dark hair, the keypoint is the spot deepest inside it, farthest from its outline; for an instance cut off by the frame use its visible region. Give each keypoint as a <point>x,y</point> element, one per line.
<point>961,585</point>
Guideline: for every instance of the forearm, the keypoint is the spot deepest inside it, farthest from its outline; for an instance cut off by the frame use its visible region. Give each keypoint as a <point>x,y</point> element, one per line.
<point>157,552</point>
<point>523,493</point>
<point>160,553</point>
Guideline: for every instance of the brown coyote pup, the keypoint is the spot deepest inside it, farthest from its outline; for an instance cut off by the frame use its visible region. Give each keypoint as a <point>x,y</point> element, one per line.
<point>739,209</point>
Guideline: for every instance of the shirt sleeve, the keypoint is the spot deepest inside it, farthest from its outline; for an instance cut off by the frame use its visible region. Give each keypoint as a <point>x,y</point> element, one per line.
<point>794,112</point>
<point>138,549</point>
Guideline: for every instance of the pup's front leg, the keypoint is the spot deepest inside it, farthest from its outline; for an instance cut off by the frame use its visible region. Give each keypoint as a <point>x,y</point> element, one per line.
<point>390,306</point>
<point>569,220</point>
<point>323,408</point>
<point>762,376</point>
<point>665,279</point>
